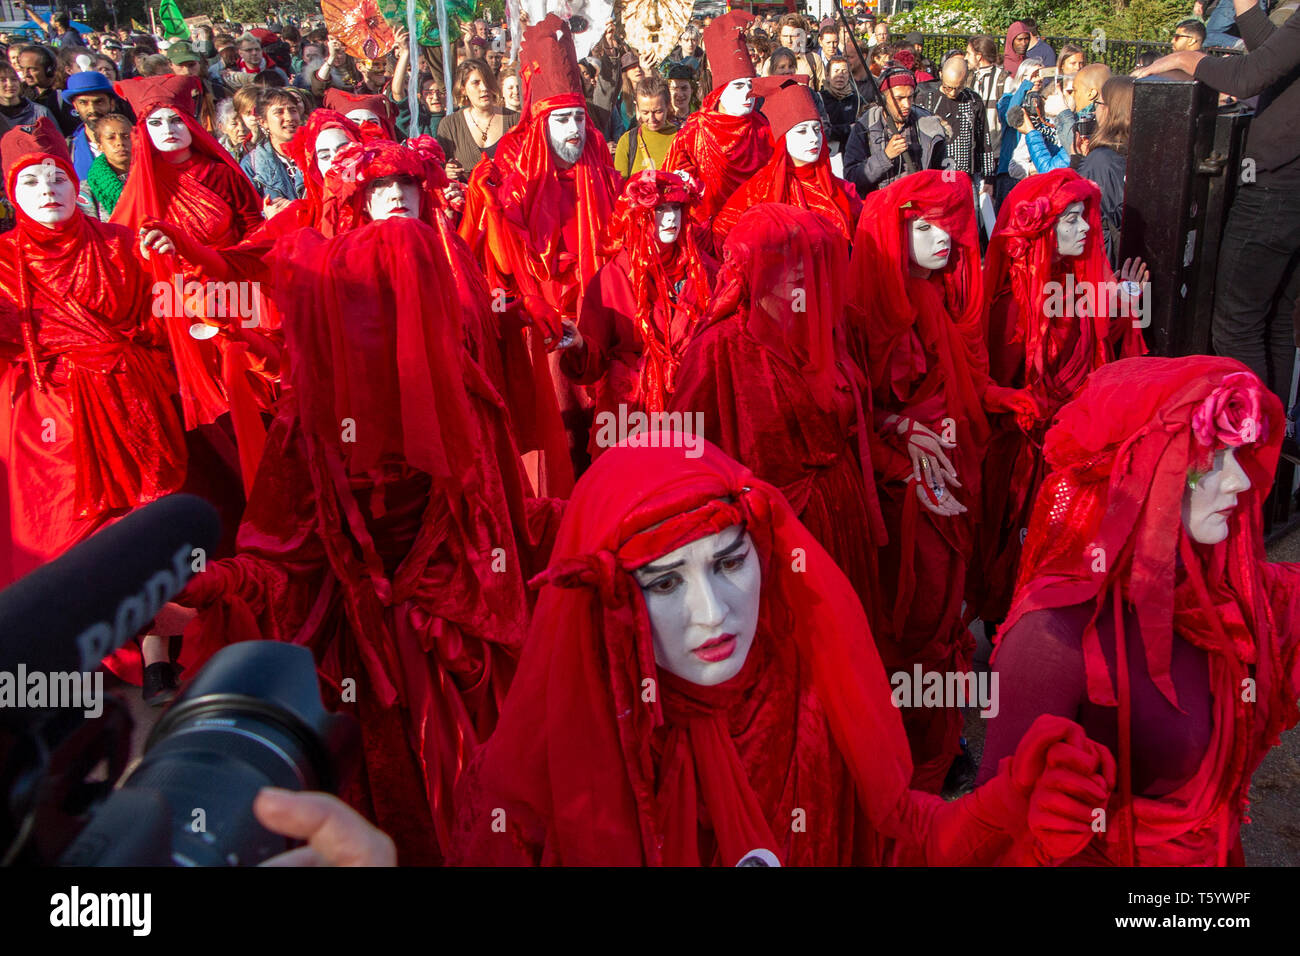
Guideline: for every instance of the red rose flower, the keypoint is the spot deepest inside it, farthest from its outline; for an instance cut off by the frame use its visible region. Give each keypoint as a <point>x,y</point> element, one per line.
<point>1231,415</point>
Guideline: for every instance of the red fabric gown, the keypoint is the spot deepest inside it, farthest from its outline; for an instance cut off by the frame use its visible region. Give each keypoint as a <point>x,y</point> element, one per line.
<point>209,199</point>
<point>601,758</point>
<point>387,529</point>
<point>924,350</point>
<point>773,385</point>
<point>1045,355</point>
<point>720,150</point>
<point>88,430</point>
<point>1120,457</point>
<point>813,187</point>
<point>639,313</point>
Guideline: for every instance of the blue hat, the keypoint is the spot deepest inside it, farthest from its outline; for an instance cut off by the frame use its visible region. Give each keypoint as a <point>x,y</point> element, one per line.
<point>89,81</point>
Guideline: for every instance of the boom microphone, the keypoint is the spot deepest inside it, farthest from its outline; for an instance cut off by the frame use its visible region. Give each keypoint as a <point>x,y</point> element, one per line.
<point>71,613</point>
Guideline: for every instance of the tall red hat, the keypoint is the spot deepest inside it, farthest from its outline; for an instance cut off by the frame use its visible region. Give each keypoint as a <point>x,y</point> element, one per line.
<point>148,93</point>
<point>724,42</point>
<point>787,102</point>
<point>38,142</point>
<point>549,67</point>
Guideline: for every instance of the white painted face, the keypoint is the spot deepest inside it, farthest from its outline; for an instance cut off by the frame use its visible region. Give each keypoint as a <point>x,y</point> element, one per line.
<point>1208,506</point>
<point>737,97</point>
<point>703,602</point>
<point>804,142</point>
<point>328,143</point>
<point>45,193</point>
<point>392,197</point>
<point>1071,231</point>
<point>362,116</point>
<point>928,245</point>
<point>567,132</point>
<point>668,222</point>
<point>168,131</point>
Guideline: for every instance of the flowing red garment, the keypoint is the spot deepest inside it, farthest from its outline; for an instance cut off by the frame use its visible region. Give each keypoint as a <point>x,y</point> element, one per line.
<point>640,311</point>
<point>536,229</point>
<point>721,150</point>
<point>310,209</point>
<point>814,185</point>
<point>209,199</point>
<point>387,530</point>
<point>602,758</point>
<point>922,342</point>
<point>769,379</point>
<point>88,430</point>
<point>1051,322</point>
<point>1108,540</point>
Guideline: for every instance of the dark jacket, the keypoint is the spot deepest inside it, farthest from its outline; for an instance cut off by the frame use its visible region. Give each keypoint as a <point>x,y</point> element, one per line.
<point>841,114</point>
<point>865,164</point>
<point>1105,167</point>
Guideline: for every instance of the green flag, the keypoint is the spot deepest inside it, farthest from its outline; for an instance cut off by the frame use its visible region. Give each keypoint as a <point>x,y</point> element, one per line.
<point>173,21</point>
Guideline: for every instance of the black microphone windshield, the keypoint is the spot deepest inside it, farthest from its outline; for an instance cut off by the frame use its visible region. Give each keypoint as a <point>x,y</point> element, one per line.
<point>71,613</point>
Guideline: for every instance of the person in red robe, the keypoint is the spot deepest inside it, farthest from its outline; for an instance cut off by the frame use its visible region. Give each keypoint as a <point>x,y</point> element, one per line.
<point>799,172</point>
<point>361,109</point>
<point>769,378</point>
<point>916,324</point>
<point>643,306</point>
<point>777,743</point>
<point>1146,609</point>
<point>89,429</point>
<point>388,528</point>
<point>1055,313</point>
<point>181,175</point>
<point>727,140</point>
<point>312,149</point>
<point>534,216</point>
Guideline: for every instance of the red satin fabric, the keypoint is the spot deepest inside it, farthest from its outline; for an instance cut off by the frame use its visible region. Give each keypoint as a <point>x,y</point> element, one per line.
<point>635,346</point>
<point>722,151</point>
<point>1047,357</point>
<point>209,199</point>
<point>771,379</point>
<point>536,230</point>
<point>388,529</point>
<point>922,342</point>
<point>813,187</point>
<point>88,430</point>
<point>694,775</point>
<point>1115,491</point>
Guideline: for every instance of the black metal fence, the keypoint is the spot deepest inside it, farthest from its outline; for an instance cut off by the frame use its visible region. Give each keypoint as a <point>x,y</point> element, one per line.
<point>1120,55</point>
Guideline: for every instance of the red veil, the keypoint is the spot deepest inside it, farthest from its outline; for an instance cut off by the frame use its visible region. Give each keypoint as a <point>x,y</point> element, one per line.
<point>770,376</point>
<point>922,342</point>
<point>343,102</point>
<point>1040,349</point>
<point>211,200</point>
<point>88,426</point>
<point>632,231</point>
<point>386,524</point>
<point>1120,456</point>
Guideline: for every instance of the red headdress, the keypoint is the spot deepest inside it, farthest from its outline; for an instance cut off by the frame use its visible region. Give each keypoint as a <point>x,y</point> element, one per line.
<point>302,148</point>
<point>357,165</point>
<point>529,182</point>
<point>1022,258</point>
<point>1108,525</point>
<point>633,229</point>
<point>126,455</point>
<point>783,276</point>
<point>344,102</point>
<point>724,44</point>
<point>787,103</point>
<point>602,758</point>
